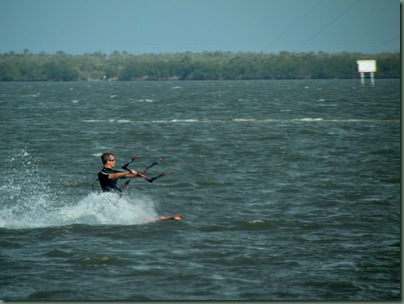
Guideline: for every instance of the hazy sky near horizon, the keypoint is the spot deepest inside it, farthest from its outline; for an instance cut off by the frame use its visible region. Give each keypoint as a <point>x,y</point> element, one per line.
<point>169,26</point>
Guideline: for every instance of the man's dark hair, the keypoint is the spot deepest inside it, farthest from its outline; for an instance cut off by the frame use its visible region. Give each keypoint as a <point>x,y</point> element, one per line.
<point>105,157</point>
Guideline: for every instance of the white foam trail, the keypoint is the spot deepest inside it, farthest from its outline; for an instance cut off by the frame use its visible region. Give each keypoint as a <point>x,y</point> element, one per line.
<point>27,201</point>
<point>94,209</point>
<point>109,209</point>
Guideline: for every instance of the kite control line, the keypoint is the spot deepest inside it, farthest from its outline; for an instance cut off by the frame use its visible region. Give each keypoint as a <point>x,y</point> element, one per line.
<point>153,164</point>
<point>126,165</point>
<point>125,184</point>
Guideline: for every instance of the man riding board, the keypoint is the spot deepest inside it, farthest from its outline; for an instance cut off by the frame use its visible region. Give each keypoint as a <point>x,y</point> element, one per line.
<point>108,177</point>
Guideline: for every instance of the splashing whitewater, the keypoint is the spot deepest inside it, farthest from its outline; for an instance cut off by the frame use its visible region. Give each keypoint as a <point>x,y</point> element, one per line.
<point>27,200</point>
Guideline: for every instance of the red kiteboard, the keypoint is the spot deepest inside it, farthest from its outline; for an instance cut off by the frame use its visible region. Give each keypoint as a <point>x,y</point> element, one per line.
<point>166,218</point>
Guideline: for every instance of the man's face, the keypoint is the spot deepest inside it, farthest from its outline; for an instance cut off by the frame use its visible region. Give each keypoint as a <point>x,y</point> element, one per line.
<point>111,161</point>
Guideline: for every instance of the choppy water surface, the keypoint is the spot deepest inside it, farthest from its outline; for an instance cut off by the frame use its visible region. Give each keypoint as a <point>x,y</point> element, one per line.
<point>289,190</point>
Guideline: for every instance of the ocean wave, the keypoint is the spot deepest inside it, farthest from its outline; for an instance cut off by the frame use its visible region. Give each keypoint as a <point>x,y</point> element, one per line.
<point>245,120</point>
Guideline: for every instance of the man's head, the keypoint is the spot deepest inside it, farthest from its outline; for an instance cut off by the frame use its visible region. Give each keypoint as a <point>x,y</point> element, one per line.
<point>108,159</point>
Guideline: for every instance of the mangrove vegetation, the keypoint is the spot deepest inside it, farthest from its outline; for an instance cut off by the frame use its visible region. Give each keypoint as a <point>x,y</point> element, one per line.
<point>218,65</point>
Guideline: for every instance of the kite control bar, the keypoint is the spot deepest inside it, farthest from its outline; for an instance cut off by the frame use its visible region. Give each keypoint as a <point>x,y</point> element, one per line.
<point>150,180</point>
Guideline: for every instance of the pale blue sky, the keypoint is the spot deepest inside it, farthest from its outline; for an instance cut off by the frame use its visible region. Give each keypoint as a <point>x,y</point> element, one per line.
<point>167,26</point>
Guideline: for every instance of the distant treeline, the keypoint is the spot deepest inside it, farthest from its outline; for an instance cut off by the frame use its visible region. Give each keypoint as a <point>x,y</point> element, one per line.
<point>190,66</point>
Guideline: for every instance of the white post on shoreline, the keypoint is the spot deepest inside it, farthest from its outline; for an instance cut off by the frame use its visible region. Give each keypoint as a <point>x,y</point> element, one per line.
<point>363,79</point>
<point>372,79</point>
<point>367,66</point>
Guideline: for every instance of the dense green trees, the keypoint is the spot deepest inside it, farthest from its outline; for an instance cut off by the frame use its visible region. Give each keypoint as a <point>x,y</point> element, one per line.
<point>190,66</point>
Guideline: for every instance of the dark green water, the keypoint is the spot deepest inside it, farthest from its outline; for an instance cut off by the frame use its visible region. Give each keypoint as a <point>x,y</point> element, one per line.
<point>289,190</point>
